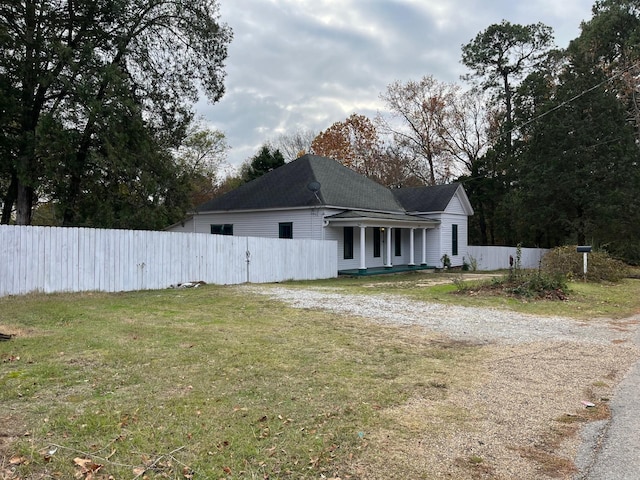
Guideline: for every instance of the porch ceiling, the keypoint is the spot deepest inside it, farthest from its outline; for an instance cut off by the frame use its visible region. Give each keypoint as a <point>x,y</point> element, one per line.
<point>361,218</point>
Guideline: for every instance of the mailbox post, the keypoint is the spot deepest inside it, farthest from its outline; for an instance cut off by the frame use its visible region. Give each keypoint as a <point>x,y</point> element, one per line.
<point>585,250</point>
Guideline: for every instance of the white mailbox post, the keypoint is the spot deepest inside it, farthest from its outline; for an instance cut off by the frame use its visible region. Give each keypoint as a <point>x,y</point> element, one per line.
<point>585,250</point>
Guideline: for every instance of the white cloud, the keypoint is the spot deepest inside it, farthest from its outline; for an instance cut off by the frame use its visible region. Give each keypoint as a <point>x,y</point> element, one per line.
<point>305,64</point>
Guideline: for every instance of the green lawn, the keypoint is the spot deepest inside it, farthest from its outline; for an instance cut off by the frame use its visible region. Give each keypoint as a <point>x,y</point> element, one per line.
<point>208,382</point>
<point>214,383</point>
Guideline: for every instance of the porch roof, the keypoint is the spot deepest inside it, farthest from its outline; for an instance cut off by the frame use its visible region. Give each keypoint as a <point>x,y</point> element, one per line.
<point>380,219</point>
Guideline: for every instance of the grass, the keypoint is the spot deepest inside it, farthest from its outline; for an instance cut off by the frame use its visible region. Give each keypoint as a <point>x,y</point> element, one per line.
<point>213,383</point>
<point>205,383</point>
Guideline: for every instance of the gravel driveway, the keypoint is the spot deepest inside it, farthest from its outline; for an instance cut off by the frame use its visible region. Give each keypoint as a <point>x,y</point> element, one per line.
<point>537,371</point>
<point>460,323</point>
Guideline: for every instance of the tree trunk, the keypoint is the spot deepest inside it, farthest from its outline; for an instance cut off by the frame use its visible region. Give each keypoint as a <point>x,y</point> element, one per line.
<point>482,223</point>
<point>9,200</point>
<point>69,214</point>
<point>509,113</point>
<point>24,204</point>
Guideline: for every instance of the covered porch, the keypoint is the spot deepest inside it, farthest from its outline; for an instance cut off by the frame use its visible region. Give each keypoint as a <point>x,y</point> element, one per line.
<point>356,272</point>
<point>375,254</point>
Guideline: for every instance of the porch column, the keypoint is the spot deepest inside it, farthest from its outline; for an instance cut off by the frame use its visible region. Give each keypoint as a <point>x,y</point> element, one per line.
<point>389,263</point>
<point>411,245</point>
<point>363,258</point>
<point>424,246</point>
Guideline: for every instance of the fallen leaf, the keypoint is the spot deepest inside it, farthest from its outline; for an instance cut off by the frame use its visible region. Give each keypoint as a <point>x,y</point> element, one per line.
<point>138,471</point>
<point>17,460</point>
<point>86,465</point>
<point>187,472</point>
<point>226,470</point>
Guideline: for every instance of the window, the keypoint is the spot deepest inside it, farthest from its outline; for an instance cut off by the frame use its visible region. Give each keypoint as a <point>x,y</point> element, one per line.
<point>285,230</point>
<point>398,241</point>
<point>226,229</point>
<point>348,242</point>
<point>376,242</point>
<point>454,240</point>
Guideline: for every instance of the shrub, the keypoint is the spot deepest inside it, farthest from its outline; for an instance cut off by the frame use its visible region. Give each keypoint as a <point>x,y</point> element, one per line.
<point>529,284</point>
<point>566,261</point>
<point>473,263</point>
<point>460,284</point>
<point>466,266</point>
<point>538,285</point>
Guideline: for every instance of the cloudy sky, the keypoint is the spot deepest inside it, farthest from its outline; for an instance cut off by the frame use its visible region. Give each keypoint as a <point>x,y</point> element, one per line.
<point>305,64</point>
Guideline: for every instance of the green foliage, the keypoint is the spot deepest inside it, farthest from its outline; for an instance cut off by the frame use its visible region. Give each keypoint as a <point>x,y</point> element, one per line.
<point>579,165</point>
<point>460,284</point>
<point>100,66</point>
<point>262,162</point>
<point>537,285</point>
<point>531,284</point>
<point>566,261</point>
<point>506,51</point>
<point>200,158</point>
<point>503,54</point>
<point>573,160</point>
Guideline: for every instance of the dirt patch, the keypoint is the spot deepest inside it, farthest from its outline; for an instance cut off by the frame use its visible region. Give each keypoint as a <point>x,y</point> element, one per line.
<point>11,428</point>
<point>520,421</point>
<point>430,279</point>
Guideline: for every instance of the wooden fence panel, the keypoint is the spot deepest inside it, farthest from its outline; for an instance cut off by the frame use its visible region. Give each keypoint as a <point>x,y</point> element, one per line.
<point>52,259</point>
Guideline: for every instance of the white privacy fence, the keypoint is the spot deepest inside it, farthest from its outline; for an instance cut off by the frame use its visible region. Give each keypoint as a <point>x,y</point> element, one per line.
<point>496,258</point>
<point>50,259</point>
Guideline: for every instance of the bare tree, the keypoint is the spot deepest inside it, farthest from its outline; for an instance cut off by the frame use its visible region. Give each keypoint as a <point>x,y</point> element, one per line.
<point>295,144</point>
<point>418,111</point>
<point>465,129</point>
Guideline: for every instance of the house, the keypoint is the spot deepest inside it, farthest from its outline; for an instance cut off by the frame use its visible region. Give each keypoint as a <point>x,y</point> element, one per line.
<point>316,197</point>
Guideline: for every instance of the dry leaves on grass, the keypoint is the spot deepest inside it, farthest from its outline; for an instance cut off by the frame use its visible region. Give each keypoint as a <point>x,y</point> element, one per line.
<point>519,421</point>
<point>86,468</point>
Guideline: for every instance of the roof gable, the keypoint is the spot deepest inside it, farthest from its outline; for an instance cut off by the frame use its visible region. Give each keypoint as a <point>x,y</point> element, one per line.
<point>434,198</point>
<point>288,187</point>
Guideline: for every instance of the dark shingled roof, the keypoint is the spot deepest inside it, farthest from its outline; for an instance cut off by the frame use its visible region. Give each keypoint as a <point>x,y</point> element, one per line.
<point>426,199</point>
<point>287,187</point>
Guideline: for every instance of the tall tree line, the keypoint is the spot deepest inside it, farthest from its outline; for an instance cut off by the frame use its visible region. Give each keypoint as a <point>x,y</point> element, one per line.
<point>95,96</point>
<point>546,141</point>
<point>564,167</point>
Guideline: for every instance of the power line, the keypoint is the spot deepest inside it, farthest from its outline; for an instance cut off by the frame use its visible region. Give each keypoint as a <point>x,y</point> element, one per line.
<point>572,99</point>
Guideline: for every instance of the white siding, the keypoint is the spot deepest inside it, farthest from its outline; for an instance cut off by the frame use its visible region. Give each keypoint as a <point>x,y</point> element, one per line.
<point>337,233</point>
<point>307,223</point>
<point>403,258</point>
<point>439,240</point>
<point>455,206</point>
<point>371,260</point>
<point>434,248</point>
<point>186,226</point>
